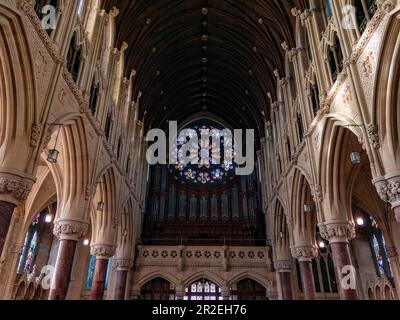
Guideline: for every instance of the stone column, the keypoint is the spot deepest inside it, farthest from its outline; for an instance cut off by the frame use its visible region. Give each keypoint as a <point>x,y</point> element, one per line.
<point>305,255</point>
<point>14,188</point>
<point>6,212</point>
<point>122,267</point>
<point>388,188</point>
<point>338,234</point>
<point>284,270</point>
<point>102,254</point>
<point>69,232</point>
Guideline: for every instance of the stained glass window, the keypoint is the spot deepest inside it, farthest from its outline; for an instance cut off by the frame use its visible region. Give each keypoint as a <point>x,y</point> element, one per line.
<point>157,289</point>
<point>213,164</point>
<point>203,290</point>
<point>92,264</point>
<point>31,253</point>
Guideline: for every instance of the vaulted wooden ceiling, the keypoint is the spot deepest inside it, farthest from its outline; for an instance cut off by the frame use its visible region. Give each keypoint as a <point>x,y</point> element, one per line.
<point>214,55</point>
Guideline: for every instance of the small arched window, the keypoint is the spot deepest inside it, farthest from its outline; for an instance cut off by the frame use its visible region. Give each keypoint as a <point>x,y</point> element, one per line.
<point>108,126</point>
<point>94,95</point>
<point>74,58</point>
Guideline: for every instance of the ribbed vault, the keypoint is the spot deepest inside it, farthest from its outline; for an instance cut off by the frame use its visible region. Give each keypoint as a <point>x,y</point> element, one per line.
<point>214,55</point>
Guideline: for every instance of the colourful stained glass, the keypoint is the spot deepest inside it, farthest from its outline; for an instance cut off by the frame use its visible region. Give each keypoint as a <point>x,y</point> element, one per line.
<point>213,164</point>
<point>31,253</point>
<point>92,264</point>
<point>379,257</point>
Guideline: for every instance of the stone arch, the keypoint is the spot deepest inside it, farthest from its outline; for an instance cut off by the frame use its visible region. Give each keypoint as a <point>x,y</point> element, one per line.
<point>336,173</point>
<point>209,275</point>
<point>105,222</point>
<point>158,274</point>
<point>250,275</point>
<point>72,170</point>
<point>126,231</point>
<point>281,234</point>
<point>304,223</point>
<point>386,110</point>
<point>18,100</point>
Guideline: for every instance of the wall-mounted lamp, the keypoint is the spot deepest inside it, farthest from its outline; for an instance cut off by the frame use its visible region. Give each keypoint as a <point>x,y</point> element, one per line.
<point>355,157</point>
<point>322,244</point>
<point>86,242</point>
<point>100,204</point>
<point>54,153</point>
<point>307,208</point>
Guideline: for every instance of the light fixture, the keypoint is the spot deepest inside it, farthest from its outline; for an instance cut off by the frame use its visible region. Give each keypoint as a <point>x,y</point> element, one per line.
<point>355,157</point>
<point>322,244</point>
<point>307,208</point>
<point>360,221</point>
<point>49,218</point>
<point>100,206</point>
<point>125,233</point>
<point>86,242</point>
<point>53,153</point>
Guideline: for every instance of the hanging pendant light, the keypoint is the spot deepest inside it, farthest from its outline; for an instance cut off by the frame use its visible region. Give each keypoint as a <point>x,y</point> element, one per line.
<point>100,206</point>
<point>355,157</point>
<point>307,208</point>
<point>54,153</point>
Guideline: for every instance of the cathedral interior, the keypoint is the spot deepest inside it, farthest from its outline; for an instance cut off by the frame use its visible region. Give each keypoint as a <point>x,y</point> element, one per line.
<point>85,216</point>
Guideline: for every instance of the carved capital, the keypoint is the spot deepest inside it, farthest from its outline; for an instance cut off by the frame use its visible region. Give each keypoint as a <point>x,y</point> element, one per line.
<point>304,253</point>
<point>373,135</point>
<point>70,229</point>
<point>15,187</point>
<point>102,251</point>
<point>283,266</point>
<point>387,5</point>
<point>388,188</point>
<point>122,264</point>
<point>337,231</point>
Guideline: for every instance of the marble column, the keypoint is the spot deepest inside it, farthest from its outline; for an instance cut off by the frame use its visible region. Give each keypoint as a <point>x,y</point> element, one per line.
<point>69,233</point>
<point>6,212</point>
<point>305,256</point>
<point>307,279</point>
<point>122,267</point>
<point>65,260</point>
<point>284,270</point>
<point>120,286</point>
<point>338,235</point>
<point>99,279</point>
<point>102,254</point>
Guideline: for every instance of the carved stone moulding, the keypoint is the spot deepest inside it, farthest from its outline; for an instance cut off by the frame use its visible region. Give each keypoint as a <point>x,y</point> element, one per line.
<point>304,253</point>
<point>70,229</point>
<point>283,266</point>
<point>102,251</point>
<point>388,188</point>
<point>15,186</point>
<point>122,264</point>
<point>337,231</point>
